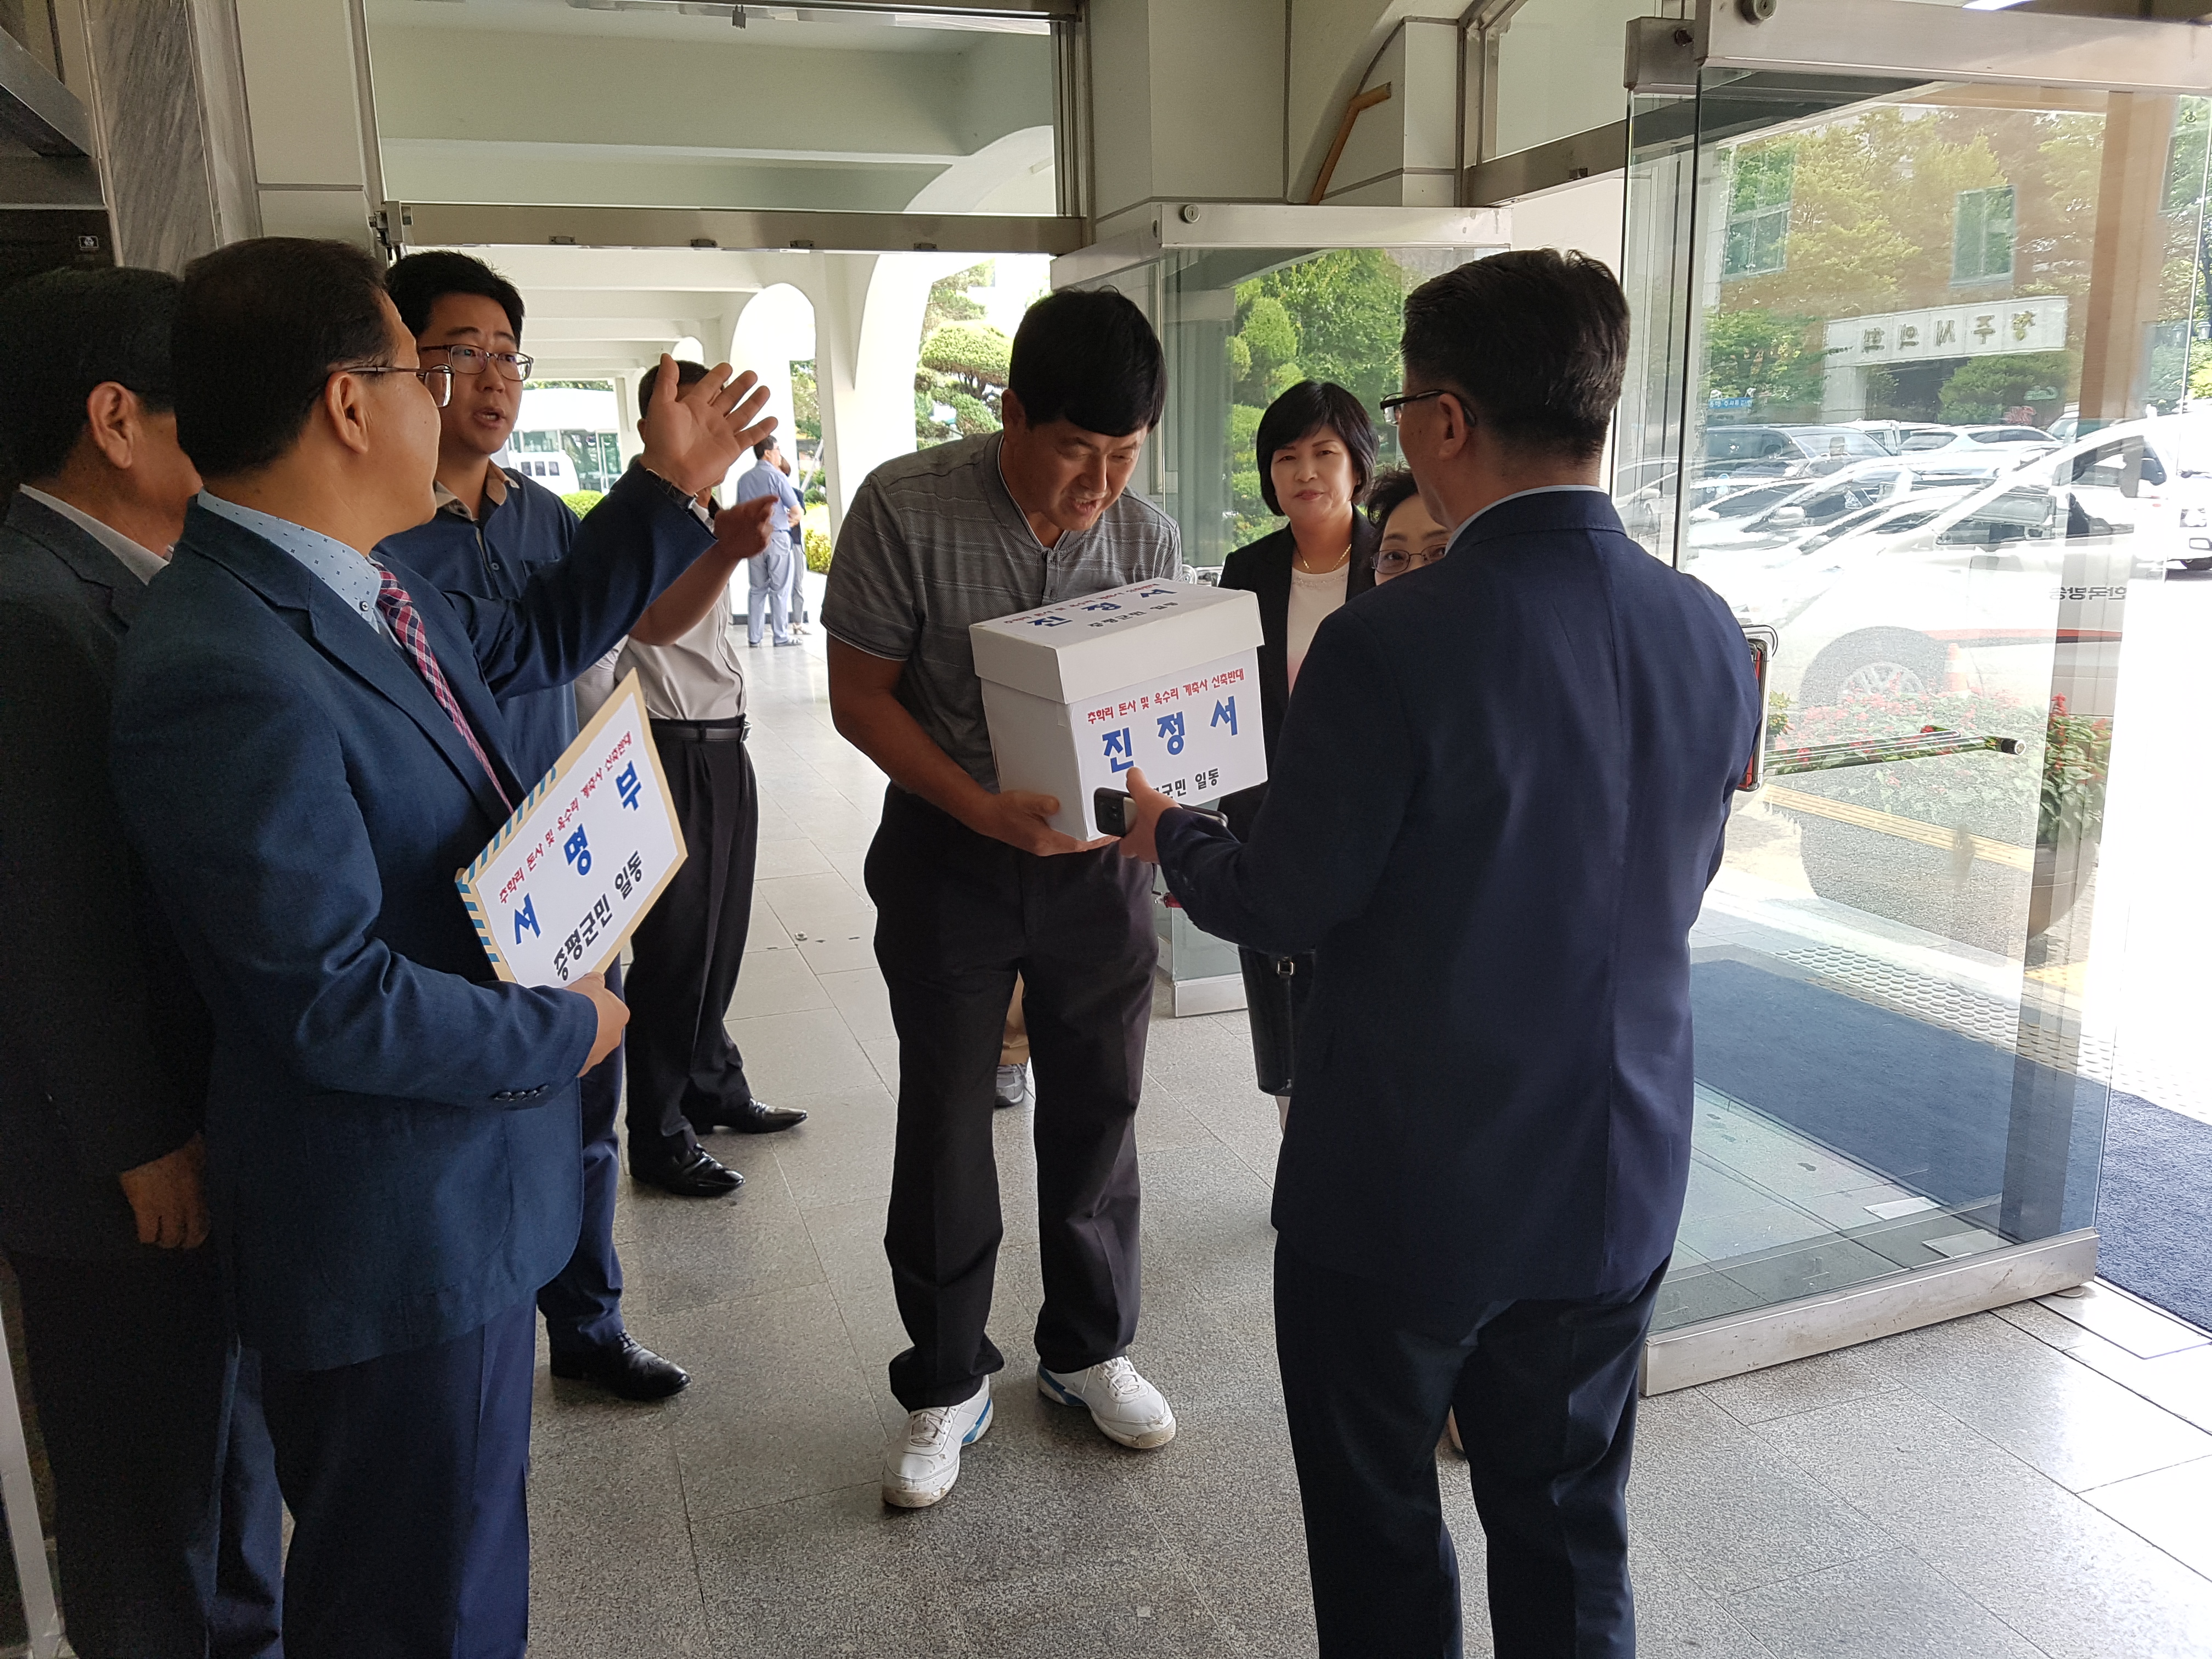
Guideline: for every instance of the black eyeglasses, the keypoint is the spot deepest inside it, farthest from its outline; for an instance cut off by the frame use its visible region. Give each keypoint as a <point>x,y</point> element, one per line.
<point>471,360</point>
<point>1397,561</point>
<point>1395,406</point>
<point>437,381</point>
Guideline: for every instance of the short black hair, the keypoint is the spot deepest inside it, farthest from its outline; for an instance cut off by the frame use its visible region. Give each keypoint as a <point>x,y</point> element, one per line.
<point>63,333</point>
<point>1308,407</point>
<point>687,374</point>
<point>1391,489</point>
<point>418,282</point>
<point>762,448</point>
<point>1534,340</point>
<point>261,326</point>
<point>1088,356</point>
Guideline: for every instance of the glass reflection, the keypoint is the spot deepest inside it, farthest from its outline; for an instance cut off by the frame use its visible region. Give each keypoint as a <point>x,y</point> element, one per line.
<point>1916,390</point>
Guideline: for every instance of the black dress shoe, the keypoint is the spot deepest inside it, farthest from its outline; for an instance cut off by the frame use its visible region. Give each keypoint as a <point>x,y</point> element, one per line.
<point>755,1117</point>
<point>627,1369</point>
<point>699,1174</point>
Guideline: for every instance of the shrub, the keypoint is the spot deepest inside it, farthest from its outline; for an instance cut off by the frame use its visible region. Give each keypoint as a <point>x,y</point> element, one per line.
<point>817,551</point>
<point>582,501</point>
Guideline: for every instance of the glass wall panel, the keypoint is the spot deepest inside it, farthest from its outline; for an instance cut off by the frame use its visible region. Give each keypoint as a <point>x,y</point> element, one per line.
<point>647,103</point>
<point>1914,393</point>
<point>1240,327</point>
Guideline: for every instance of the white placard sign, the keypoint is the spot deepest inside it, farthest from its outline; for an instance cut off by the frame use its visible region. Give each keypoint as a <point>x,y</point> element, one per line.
<point>1196,734</point>
<point>569,877</point>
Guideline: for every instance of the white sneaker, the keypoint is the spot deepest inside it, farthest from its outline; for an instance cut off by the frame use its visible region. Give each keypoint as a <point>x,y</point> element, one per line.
<point>1123,1404</point>
<point>924,1460</point>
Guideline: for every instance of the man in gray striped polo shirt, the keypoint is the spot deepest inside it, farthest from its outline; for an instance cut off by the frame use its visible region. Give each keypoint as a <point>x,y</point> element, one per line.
<point>973,886</point>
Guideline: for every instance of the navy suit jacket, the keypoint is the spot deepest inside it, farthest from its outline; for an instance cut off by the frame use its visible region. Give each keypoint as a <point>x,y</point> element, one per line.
<point>392,1132</point>
<point>103,1042</point>
<point>1499,794</point>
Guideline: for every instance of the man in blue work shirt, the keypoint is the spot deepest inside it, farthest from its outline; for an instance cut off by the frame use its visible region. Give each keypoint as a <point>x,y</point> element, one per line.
<point>771,575</point>
<point>493,528</point>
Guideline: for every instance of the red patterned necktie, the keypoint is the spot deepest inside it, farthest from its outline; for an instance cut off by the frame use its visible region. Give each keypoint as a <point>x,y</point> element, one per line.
<point>399,612</point>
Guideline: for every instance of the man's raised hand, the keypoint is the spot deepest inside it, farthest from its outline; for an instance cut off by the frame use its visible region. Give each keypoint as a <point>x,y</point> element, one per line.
<point>695,434</point>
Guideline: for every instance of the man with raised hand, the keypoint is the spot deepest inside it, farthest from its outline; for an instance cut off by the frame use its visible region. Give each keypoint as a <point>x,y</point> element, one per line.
<point>308,746</point>
<point>495,529</point>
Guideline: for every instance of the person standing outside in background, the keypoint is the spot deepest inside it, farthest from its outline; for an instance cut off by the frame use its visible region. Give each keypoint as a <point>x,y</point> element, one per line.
<point>686,1077</point>
<point>799,616</point>
<point>973,886</point>
<point>770,577</point>
<point>168,1526</point>
<point>1315,454</point>
<point>493,530</point>
<point>1479,1188</point>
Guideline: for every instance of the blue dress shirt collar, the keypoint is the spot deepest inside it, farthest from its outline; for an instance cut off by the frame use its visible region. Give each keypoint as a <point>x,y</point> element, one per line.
<point>341,569</point>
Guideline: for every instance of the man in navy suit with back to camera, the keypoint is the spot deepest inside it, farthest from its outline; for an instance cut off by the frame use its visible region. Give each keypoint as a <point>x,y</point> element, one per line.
<point>307,747</point>
<point>1499,794</point>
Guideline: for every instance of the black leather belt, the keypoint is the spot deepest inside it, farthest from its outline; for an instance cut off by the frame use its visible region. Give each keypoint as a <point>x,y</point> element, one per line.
<point>731,731</point>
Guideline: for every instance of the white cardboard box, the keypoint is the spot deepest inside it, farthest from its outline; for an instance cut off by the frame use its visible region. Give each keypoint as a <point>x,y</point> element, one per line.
<point>1160,675</point>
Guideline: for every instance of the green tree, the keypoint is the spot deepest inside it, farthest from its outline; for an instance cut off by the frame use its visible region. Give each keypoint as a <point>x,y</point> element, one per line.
<point>1755,354</point>
<point>949,300</point>
<point>806,402</point>
<point>975,354</point>
<point>1984,388</point>
<point>963,369</point>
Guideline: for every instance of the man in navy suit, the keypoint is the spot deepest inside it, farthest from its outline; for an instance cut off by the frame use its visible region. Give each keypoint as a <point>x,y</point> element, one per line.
<point>307,747</point>
<point>1499,794</point>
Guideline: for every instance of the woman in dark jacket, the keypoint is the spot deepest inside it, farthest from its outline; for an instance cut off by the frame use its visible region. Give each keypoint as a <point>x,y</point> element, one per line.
<point>1317,454</point>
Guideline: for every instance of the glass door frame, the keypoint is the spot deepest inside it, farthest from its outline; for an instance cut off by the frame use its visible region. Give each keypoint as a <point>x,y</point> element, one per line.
<point>1905,44</point>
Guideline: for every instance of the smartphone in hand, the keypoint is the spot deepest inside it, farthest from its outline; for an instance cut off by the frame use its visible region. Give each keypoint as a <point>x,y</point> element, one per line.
<point>1115,813</point>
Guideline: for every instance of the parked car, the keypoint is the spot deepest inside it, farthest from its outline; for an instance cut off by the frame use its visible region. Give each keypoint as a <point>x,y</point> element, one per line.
<point>1773,449</point>
<point>2001,588</point>
<point>1790,516</point>
<point>1898,436</point>
<point>1985,437</point>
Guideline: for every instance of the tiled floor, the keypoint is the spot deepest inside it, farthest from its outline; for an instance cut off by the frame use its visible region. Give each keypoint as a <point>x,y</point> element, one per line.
<point>2007,1484</point>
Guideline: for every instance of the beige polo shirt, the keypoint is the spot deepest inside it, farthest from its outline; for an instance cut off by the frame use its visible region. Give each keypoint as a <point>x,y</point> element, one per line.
<point>700,676</point>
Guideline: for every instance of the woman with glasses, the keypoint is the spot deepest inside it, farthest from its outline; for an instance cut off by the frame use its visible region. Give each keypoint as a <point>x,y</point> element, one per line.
<point>1410,538</point>
<point>1315,454</point>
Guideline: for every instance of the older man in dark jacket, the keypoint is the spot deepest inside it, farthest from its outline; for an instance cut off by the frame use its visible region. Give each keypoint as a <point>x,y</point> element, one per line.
<point>1499,795</point>
<point>168,1526</point>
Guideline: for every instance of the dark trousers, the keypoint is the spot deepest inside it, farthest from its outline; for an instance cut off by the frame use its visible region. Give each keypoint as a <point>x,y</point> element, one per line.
<point>685,955</point>
<point>583,1306</point>
<point>168,1521</point>
<point>1276,989</point>
<point>958,916</point>
<point>404,1476</point>
<point>1546,1398</point>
